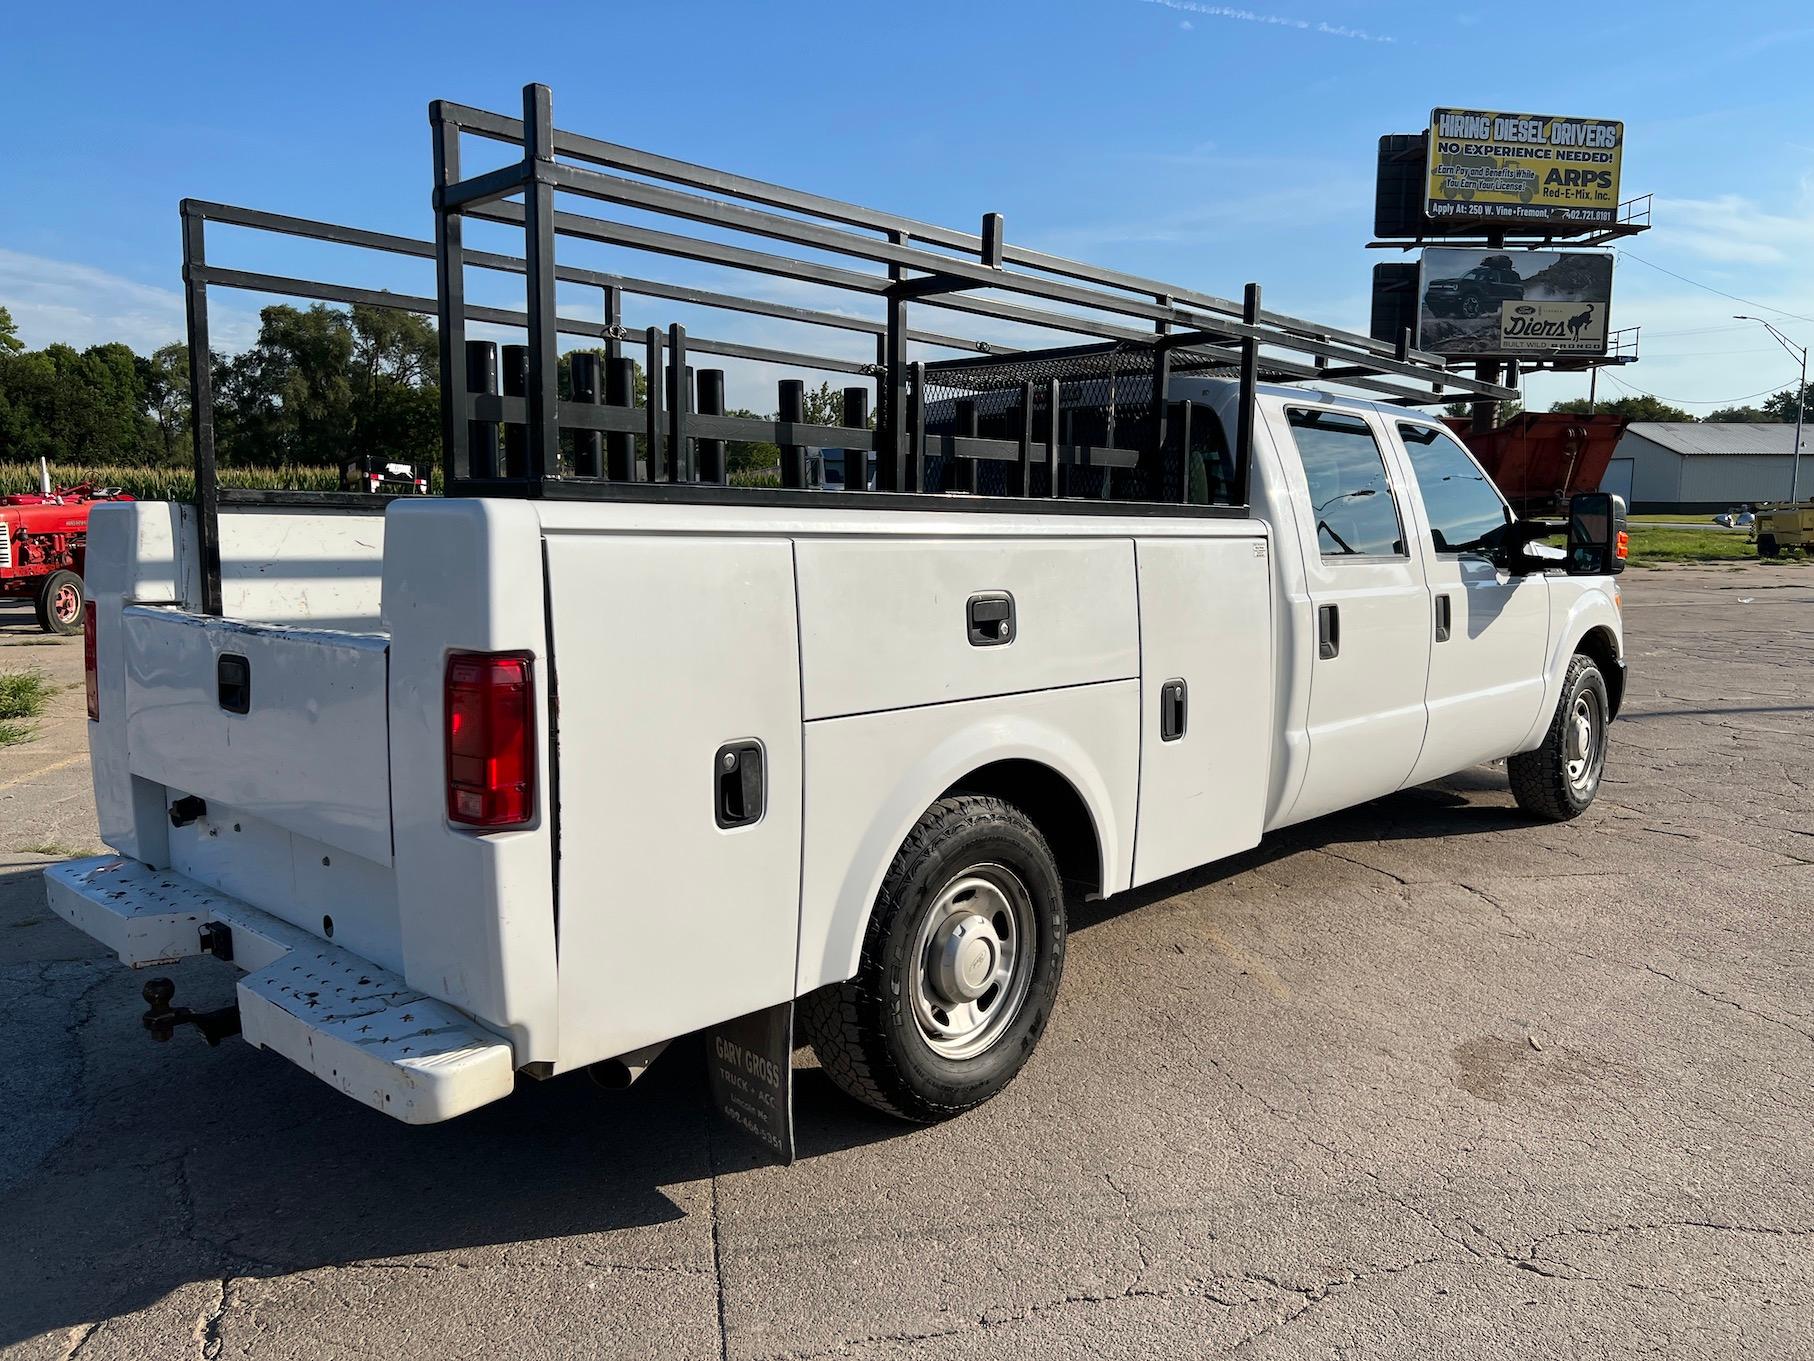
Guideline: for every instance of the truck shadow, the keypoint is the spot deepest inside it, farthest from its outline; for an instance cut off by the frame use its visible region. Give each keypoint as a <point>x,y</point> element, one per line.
<point>182,1164</point>
<point>1449,808</point>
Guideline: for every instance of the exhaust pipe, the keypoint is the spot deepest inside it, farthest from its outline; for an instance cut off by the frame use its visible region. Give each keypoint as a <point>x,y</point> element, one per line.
<point>616,1074</point>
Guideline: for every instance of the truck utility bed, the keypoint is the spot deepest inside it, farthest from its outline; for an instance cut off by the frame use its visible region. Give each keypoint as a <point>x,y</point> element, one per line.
<point>835,638</point>
<point>600,749</point>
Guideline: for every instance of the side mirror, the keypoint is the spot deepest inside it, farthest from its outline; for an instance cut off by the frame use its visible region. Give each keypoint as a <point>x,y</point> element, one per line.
<point>1517,547</point>
<point>1597,541</point>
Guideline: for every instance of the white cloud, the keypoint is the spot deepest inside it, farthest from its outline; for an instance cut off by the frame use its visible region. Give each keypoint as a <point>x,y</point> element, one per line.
<point>1248,16</point>
<point>1737,230</point>
<point>56,301</point>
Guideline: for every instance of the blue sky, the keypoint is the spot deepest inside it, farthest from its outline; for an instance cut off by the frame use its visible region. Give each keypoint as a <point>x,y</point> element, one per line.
<point>1199,143</point>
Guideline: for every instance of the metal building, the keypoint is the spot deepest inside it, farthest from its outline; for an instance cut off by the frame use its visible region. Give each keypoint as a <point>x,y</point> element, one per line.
<point>1696,466</point>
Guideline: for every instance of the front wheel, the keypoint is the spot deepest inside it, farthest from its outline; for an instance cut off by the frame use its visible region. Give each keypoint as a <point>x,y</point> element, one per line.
<point>1559,779</point>
<point>61,602</point>
<point>959,969</point>
<point>1767,547</point>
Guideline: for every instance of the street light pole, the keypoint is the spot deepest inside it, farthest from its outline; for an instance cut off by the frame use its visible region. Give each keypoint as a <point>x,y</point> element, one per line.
<point>1799,352</point>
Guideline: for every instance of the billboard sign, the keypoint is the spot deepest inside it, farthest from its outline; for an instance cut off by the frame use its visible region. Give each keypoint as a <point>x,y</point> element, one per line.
<point>1522,168</point>
<point>1530,304</point>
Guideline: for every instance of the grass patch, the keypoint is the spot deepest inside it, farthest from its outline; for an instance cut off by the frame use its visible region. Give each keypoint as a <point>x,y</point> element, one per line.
<point>56,850</point>
<point>1649,546</point>
<point>22,694</point>
<point>22,698</point>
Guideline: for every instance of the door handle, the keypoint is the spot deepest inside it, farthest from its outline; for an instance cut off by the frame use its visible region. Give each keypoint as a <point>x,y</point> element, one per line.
<point>1174,706</point>
<point>990,618</point>
<point>1328,631</point>
<point>1442,619</point>
<point>739,783</point>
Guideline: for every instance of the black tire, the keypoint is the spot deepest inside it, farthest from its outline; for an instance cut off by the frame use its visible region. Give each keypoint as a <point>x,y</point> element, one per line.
<point>1471,306</point>
<point>869,1033</point>
<point>61,603</point>
<point>1541,779</point>
<point>1766,546</point>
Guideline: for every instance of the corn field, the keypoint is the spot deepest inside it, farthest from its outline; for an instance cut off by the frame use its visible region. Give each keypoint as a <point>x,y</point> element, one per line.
<point>178,484</point>
<point>173,484</point>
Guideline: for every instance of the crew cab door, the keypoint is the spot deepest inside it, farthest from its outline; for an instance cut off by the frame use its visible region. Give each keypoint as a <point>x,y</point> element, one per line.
<point>1489,630</point>
<point>1369,609</point>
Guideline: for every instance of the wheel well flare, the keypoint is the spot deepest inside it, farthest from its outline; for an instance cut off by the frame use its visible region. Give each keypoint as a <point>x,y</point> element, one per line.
<point>1055,807</point>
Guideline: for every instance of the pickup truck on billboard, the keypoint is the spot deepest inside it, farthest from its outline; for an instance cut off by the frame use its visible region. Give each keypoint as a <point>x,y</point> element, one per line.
<point>1530,304</point>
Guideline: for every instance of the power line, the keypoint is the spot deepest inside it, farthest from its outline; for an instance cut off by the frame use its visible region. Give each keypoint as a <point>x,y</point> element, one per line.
<point>1693,401</point>
<point>1696,283</point>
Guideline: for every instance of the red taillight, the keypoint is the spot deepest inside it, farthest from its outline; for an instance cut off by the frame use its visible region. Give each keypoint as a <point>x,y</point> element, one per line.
<point>490,711</point>
<point>90,672</point>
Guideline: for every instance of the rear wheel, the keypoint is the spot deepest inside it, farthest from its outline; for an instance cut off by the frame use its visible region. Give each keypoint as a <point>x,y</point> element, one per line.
<point>1766,546</point>
<point>1559,780</point>
<point>61,603</point>
<point>959,969</point>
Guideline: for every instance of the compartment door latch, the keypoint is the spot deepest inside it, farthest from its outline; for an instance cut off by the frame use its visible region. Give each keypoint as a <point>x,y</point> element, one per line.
<point>990,615</point>
<point>739,783</point>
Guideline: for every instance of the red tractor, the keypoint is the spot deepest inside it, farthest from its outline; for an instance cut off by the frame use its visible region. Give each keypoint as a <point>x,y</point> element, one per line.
<point>43,540</point>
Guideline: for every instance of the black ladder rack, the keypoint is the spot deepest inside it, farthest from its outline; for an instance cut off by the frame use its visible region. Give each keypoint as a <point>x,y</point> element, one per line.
<point>503,422</point>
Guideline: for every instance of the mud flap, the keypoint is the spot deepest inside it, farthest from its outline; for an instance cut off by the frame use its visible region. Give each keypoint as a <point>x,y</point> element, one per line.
<point>751,1063</point>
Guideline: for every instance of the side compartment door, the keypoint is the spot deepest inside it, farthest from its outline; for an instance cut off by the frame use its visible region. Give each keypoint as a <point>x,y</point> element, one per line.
<point>1369,611</point>
<point>1205,700</point>
<point>679,892</point>
<point>1489,629</point>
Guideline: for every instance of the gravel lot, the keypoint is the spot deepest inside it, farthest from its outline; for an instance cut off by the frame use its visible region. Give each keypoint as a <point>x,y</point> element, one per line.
<point>1419,1079</point>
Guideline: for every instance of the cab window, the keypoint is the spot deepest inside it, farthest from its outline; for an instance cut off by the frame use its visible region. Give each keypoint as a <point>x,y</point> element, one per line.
<point>1463,505</point>
<point>1350,495</point>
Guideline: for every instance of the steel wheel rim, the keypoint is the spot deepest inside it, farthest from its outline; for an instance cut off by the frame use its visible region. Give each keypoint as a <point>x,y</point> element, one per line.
<point>972,961</point>
<point>66,604</point>
<point>1586,746</point>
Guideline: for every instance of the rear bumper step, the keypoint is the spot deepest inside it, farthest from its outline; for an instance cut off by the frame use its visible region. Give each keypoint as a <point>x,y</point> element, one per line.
<point>357,1027</point>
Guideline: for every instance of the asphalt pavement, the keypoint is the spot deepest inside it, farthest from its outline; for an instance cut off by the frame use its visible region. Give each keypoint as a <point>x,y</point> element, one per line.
<point>1419,1079</point>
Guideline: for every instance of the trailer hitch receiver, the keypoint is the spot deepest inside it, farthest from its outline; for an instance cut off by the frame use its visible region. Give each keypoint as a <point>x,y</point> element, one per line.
<point>162,1019</point>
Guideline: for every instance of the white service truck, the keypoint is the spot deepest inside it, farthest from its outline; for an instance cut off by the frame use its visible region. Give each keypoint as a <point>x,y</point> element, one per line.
<point>495,784</point>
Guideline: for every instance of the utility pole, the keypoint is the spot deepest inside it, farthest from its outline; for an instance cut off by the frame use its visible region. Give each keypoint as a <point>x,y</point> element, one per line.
<point>1799,352</point>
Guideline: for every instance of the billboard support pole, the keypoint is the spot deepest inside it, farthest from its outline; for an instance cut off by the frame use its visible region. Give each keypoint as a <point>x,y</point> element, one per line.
<point>1485,414</point>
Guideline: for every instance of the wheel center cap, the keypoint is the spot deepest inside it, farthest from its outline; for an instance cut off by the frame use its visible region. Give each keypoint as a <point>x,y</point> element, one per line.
<point>964,956</point>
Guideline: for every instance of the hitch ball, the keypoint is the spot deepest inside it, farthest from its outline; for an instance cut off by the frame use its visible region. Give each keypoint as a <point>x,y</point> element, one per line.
<point>159,1018</point>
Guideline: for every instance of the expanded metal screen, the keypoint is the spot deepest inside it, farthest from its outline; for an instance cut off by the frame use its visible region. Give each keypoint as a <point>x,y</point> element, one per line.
<point>1119,438</point>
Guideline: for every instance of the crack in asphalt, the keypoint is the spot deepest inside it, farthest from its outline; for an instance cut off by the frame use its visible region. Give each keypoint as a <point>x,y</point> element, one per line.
<point>1727,1001</point>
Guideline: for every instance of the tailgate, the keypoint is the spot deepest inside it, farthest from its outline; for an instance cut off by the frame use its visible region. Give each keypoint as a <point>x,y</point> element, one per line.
<point>310,753</point>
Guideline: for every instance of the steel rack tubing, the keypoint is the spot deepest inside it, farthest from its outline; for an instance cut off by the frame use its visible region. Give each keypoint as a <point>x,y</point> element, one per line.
<point>500,128</point>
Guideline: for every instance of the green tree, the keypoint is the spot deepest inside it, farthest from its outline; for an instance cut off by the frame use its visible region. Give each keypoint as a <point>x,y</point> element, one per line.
<point>166,379</point>
<point>288,399</point>
<point>326,388</point>
<point>1783,406</point>
<point>396,399</point>
<point>1641,408</point>
<point>1463,410</point>
<point>1740,415</point>
<point>73,406</point>
<point>9,334</point>
<point>743,456</point>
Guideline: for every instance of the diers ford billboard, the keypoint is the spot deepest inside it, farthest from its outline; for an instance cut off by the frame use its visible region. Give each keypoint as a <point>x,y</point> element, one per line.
<point>1525,303</point>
